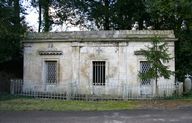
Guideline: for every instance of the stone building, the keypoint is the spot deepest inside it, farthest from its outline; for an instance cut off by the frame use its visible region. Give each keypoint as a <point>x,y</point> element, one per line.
<point>91,62</point>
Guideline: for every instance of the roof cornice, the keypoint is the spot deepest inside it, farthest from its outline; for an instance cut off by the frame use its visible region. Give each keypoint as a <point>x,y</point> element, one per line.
<point>119,35</point>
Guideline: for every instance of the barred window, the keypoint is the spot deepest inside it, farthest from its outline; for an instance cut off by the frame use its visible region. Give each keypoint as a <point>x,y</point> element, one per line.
<point>98,72</point>
<point>144,67</point>
<point>51,72</point>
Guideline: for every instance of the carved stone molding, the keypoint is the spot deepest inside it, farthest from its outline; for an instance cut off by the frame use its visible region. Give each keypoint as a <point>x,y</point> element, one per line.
<point>99,50</point>
<point>51,50</point>
<point>138,52</point>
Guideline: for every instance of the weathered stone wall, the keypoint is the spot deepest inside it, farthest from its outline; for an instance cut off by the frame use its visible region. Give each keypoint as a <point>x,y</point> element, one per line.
<point>79,49</point>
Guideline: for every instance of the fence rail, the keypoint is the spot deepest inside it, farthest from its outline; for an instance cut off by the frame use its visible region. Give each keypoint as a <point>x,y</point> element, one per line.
<point>93,93</point>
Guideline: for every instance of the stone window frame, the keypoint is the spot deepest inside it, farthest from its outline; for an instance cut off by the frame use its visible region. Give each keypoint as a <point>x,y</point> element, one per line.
<point>106,72</point>
<point>150,80</point>
<point>44,70</point>
<point>99,73</point>
<point>139,59</point>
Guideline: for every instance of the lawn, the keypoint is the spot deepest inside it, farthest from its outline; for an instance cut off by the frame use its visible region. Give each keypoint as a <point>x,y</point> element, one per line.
<point>12,103</point>
<point>19,103</point>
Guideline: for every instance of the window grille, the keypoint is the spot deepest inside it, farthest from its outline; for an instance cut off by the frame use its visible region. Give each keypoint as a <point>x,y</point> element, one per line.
<point>51,72</point>
<point>144,67</point>
<point>98,72</point>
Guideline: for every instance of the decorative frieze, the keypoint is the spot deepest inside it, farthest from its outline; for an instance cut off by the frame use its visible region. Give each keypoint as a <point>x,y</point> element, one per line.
<point>50,52</point>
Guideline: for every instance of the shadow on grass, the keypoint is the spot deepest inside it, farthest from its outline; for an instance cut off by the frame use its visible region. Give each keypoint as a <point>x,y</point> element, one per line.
<point>188,95</point>
<point>184,96</point>
<point>6,96</point>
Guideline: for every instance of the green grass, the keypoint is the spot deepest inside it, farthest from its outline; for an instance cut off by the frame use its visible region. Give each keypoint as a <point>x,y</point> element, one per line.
<point>21,103</point>
<point>12,103</point>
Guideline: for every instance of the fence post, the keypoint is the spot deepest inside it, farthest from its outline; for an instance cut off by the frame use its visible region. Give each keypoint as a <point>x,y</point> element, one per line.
<point>68,94</point>
<point>12,86</point>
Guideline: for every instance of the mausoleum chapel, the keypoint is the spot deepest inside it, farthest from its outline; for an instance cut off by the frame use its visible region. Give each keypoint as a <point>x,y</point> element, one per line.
<point>92,62</point>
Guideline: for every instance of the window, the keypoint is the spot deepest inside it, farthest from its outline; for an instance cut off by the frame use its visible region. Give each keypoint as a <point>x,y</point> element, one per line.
<point>51,72</point>
<point>144,67</point>
<point>98,72</point>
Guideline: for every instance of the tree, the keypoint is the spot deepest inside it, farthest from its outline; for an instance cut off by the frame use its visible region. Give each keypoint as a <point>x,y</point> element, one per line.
<point>156,54</point>
<point>169,14</point>
<point>121,14</point>
<point>106,14</point>
<point>183,54</point>
<point>38,3</point>
<point>12,26</point>
<point>44,6</point>
<point>126,12</point>
<point>10,29</point>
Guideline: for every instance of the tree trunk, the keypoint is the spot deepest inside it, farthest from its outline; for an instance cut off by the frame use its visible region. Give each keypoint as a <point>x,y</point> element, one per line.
<point>17,16</point>
<point>46,16</point>
<point>156,72</point>
<point>40,10</point>
<point>156,88</point>
<point>106,14</point>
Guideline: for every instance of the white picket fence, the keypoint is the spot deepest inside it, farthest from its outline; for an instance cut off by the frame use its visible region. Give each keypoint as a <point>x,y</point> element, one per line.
<point>107,92</point>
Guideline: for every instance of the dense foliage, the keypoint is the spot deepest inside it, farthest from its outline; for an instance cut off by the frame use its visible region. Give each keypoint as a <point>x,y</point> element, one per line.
<point>183,54</point>
<point>11,27</point>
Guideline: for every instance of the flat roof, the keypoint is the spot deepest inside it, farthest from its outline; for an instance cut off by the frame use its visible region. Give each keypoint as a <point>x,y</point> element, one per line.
<point>111,35</point>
